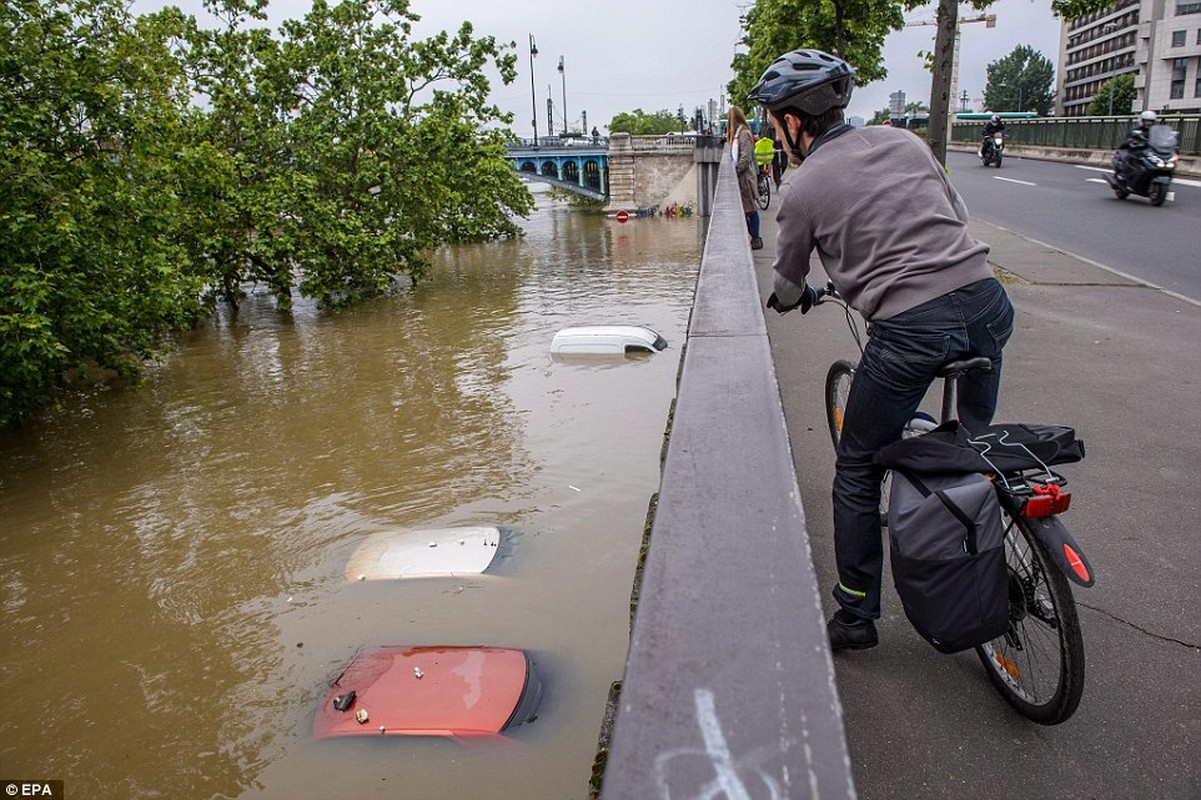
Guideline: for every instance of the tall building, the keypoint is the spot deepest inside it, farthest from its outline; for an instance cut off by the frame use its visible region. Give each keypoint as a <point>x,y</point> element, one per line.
<point>1159,41</point>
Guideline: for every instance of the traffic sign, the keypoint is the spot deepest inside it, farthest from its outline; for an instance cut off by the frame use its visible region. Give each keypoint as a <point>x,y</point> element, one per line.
<point>622,216</point>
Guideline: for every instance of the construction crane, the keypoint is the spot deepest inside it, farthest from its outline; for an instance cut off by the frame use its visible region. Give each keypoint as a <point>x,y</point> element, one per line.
<point>989,20</point>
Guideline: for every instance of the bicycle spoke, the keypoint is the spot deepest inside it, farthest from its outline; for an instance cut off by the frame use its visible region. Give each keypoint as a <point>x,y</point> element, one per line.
<point>1037,665</point>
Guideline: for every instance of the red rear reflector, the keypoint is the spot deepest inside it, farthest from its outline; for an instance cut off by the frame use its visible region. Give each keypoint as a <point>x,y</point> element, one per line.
<point>1047,502</point>
<point>1076,563</point>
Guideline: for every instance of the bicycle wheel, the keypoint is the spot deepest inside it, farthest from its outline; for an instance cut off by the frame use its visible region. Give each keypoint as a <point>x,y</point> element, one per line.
<point>838,388</point>
<point>764,191</point>
<point>1038,663</point>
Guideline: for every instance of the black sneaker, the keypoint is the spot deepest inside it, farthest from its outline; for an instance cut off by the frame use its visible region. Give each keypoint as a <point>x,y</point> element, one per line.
<point>848,632</point>
<point>756,243</point>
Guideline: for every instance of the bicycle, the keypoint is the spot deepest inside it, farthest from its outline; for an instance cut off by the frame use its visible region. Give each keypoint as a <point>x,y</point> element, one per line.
<point>764,186</point>
<point>1037,665</point>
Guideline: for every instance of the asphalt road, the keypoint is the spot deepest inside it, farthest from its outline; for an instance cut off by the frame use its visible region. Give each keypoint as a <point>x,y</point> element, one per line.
<point>1071,208</point>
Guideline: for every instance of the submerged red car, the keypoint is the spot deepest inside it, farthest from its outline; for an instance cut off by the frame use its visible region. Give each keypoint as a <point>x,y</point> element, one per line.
<point>430,691</point>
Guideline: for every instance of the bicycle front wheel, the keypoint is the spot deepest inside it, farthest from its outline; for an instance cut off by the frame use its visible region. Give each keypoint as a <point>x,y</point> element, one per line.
<point>1038,663</point>
<point>838,389</point>
<point>764,191</point>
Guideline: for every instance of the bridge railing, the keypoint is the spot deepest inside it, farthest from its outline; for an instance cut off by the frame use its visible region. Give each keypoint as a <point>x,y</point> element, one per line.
<point>729,685</point>
<point>1089,133</point>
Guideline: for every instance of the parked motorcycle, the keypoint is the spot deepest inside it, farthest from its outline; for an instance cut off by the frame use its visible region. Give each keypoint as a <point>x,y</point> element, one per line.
<point>1146,169</point>
<point>992,149</point>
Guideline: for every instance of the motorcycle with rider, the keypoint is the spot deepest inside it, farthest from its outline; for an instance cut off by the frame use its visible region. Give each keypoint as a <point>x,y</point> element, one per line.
<point>1145,163</point>
<point>992,146</point>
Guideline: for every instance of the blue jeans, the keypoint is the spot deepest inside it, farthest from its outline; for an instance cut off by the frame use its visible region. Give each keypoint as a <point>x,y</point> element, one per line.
<point>752,224</point>
<point>898,366</point>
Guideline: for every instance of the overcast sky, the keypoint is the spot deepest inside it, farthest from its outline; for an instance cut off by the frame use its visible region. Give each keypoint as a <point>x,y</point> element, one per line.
<point>620,55</point>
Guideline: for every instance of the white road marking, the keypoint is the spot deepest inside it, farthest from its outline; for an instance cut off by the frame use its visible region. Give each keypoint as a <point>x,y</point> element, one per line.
<point>1013,180</point>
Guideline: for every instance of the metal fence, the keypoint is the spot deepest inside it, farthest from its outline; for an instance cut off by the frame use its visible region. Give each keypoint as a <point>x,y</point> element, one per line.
<point>1087,133</point>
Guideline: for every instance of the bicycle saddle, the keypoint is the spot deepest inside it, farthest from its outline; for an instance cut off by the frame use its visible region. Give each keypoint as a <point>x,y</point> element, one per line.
<point>953,368</point>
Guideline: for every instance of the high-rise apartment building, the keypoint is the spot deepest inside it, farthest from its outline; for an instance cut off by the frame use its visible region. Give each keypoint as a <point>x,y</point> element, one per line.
<point>1159,41</point>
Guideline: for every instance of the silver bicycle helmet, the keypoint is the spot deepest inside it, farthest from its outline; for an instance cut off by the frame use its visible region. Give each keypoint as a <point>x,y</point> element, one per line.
<point>810,81</point>
<point>1148,116</point>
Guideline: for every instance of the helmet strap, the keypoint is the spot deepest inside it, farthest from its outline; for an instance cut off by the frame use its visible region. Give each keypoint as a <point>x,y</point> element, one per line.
<point>794,147</point>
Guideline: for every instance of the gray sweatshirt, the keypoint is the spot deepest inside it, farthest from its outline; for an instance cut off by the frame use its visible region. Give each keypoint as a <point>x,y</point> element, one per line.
<point>888,226</point>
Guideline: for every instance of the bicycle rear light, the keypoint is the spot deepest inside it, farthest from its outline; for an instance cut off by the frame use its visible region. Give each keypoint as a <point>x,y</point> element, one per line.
<point>1047,501</point>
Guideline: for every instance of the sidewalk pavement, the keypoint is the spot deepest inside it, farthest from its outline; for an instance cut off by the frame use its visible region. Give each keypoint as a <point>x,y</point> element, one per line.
<point>1120,361</point>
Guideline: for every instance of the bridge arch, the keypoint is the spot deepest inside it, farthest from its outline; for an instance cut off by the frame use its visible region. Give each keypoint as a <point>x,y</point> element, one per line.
<point>550,170</point>
<point>594,177</point>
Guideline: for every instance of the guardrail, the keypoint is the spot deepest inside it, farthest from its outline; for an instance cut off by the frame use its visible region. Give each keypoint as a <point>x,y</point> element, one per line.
<point>1087,133</point>
<point>729,685</point>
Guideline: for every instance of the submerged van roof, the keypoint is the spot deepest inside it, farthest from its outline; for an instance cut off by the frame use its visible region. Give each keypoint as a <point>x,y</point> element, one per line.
<point>607,339</point>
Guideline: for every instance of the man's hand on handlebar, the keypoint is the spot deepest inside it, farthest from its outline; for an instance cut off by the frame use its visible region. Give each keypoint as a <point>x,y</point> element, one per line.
<point>805,302</point>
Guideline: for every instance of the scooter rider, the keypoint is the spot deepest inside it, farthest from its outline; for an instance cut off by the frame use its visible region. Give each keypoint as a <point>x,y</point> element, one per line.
<point>1138,135</point>
<point>993,126</point>
<point>1136,139</point>
<point>891,234</point>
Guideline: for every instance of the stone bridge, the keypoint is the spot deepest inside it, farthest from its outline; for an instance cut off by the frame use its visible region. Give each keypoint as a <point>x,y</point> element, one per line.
<point>627,172</point>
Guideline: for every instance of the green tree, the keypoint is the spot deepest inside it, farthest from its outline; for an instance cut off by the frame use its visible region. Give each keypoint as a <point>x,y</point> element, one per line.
<point>355,149</point>
<point>1024,80</point>
<point>1116,96</point>
<point>851,29</point>
<point>150,164</point>
<point>640,123</point>
<point>90,276</point>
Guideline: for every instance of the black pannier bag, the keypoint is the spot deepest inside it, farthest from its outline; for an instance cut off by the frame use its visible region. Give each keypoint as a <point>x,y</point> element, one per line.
<point>945,529</point>
<point>946,547</point>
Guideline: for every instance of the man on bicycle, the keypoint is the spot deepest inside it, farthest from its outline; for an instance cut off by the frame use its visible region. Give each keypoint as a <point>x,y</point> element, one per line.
<point>891,233</point>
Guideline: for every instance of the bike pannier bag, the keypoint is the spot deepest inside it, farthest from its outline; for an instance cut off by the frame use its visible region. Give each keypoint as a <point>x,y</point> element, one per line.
<point>946,545</point>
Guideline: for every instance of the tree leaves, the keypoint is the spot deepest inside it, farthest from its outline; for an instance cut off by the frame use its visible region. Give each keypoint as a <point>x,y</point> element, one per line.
<point>854,30</point>
<point>152,167</point>
<point>1116,96</point>
<point>1024,80</point>
<point>640,123</point>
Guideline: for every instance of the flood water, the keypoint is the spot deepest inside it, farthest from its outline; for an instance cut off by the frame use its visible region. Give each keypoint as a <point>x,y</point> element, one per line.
<point>173,602</point>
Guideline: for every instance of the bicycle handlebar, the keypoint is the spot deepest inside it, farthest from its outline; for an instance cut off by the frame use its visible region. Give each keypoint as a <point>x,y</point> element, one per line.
<point>826,294</point>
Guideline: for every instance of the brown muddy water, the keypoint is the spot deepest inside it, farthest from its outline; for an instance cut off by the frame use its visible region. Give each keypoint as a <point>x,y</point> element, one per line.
<point>172,590</point>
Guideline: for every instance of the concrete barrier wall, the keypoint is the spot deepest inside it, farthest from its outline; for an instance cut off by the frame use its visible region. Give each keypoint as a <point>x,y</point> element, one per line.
<point>650,171</point>
<point>729,686</point>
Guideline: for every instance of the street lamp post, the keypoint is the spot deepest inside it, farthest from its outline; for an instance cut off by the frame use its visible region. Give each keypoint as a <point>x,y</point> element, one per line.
<point>563,75</point>
<point>533,94</point>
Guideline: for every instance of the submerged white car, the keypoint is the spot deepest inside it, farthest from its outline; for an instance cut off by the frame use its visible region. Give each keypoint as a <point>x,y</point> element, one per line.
<point>607,339</point>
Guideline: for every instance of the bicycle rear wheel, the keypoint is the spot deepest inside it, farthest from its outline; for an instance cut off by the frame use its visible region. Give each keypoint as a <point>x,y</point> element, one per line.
<point>1038,663</point>
<point>764,191</point>
<point>838,388</point>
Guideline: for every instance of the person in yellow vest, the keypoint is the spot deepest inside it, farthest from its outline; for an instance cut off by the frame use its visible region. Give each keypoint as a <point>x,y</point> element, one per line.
<point>765,151</point>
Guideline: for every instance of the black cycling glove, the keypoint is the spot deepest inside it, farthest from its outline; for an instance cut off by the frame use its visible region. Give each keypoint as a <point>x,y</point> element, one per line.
<point>805,302</point>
